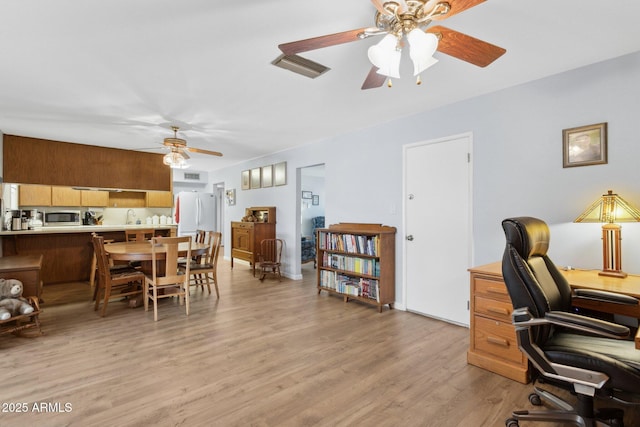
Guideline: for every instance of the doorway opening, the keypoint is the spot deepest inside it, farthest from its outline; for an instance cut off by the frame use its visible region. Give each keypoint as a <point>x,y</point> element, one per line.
<point>312,209</point>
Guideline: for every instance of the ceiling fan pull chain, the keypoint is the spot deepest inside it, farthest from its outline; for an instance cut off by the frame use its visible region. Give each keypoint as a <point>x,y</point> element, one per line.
<point>418,80</point>
<point>389,84</point>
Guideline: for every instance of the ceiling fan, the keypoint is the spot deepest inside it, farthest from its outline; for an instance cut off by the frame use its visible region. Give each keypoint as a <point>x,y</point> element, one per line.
<point>399,20</point>
<point>177,157</point>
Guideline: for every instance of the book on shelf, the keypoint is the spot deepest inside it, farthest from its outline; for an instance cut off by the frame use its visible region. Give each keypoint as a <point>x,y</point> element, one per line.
<point>351,243</point>
<point>354,286</point>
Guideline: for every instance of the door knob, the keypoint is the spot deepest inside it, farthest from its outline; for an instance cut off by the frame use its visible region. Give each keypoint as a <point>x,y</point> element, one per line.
<point>410,237</point>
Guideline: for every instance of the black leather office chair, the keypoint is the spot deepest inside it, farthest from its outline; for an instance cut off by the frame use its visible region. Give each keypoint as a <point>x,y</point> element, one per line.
<point>590,357</point>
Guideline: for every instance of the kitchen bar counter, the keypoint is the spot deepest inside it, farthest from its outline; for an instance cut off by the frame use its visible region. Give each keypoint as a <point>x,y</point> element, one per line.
<point>67,250</point>
<point>85,229</point>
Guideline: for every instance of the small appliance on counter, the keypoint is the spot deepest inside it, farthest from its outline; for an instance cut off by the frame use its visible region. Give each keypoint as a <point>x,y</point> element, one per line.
<point>89,218</point>
<point>34,218</point>
<point>62,218</point>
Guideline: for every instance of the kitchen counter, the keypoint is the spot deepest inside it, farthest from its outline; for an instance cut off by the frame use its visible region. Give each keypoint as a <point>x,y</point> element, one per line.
<point>86,229</point>
<point>67,251</point>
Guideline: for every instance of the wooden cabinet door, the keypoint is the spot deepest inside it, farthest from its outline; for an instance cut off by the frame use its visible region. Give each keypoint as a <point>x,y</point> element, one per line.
<point>64,196</point>
<point>159,199</point>
<point>34,195</point>
<point>94,198</point>
<point>242,239</point>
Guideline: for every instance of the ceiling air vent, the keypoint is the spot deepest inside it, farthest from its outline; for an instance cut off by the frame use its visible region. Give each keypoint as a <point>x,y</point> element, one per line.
<point>191,176</point>
<point>300,65</point>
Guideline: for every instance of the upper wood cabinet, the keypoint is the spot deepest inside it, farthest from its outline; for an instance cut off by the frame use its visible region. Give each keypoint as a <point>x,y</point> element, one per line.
<point>127,199</point>
<point>93,198</point>
<point>64,196</point>
<point>34,195</point>
<point>159,199</point>
<point>41,161</point>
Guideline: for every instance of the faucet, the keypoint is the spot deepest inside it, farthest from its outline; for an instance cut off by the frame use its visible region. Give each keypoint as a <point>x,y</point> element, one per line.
<point>130,215</point>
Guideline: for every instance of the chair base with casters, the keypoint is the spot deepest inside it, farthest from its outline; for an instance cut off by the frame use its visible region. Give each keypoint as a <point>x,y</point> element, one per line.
<point>591,358</point>
<point>269,257</point>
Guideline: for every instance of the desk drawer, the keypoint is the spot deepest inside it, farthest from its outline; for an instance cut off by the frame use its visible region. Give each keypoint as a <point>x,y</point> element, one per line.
<point>496,338</point>
<point>499,310</point>
<point>491,289</point>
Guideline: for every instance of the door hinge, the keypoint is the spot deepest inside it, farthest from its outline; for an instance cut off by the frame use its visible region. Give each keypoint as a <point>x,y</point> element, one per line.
<point>468,157</point>
<point>468,305</point>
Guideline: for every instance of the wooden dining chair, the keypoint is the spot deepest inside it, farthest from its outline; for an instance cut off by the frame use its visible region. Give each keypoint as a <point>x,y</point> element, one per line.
<point>172,281</point>
<point>203,270</point>
<point>139,235</point>
<point>113,282</point>
<point>269,257</point>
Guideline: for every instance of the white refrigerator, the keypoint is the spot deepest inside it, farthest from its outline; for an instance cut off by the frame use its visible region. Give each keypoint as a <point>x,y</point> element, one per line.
<point>195,211</point>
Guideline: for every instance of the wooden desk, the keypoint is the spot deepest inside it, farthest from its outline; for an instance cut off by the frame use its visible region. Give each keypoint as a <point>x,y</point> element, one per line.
<point>493,344</point>
<point>25,268</point>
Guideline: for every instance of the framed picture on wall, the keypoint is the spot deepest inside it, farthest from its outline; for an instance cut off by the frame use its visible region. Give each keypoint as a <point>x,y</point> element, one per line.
<point>267,176</point>
<point>255,178</point>
<point>280,173</point>
<point>245,178</point>
<point>307,194</point>
<point>231,197</point>
<point>584,145</point>
<point>315,200</point>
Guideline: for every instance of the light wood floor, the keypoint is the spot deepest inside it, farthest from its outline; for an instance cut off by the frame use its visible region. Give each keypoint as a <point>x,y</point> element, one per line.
<point>265,354</point>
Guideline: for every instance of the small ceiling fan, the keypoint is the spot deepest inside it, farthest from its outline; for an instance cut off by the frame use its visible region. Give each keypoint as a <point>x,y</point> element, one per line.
<point>399,20</point>
<point>176,158</point>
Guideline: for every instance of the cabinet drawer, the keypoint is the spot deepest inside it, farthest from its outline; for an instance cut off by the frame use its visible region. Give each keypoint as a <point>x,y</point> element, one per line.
<point>242,225</point>
<point>497,338</point>
<point>499,310</point>
<point>490,289</point>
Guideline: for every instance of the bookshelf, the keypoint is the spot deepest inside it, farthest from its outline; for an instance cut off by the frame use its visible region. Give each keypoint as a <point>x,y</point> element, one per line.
<point>357,261</point>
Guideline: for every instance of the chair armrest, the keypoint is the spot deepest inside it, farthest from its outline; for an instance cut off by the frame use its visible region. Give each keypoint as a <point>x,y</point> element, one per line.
<point>522,319</point>
<point>604,296</point>
<point>587,324</point>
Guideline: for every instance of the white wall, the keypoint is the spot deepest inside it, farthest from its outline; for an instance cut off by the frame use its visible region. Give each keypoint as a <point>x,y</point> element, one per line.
<point>517,165</point>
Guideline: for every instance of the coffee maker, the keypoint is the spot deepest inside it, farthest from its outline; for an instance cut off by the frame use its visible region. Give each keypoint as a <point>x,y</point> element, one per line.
<point>89,218</point>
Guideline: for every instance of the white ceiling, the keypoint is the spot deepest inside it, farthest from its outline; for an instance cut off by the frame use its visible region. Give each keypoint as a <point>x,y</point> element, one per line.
<point>119,73</point>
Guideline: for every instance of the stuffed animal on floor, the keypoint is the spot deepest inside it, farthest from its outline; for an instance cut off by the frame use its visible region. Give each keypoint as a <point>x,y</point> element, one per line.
<point>11,301</point>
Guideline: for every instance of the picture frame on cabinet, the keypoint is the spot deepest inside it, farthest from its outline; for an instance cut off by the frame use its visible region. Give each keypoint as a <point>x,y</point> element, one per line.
<point>245,179</point>
<point>255,178</point>
<point>584,145</point>
<point>267,176</point>
<point>280,173</point>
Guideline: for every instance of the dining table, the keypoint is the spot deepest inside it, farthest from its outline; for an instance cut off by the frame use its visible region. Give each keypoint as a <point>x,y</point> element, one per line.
<point>142,251</point>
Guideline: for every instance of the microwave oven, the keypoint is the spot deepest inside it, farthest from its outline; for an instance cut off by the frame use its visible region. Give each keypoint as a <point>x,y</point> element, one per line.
<point>60,218</point>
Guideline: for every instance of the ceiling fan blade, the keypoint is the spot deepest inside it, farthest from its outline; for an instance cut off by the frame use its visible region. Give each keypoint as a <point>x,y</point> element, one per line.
<point>458,6</point>
<point>184,154</point>
<point>201,151</point>
<point>306,45</point>
<point>466,48</point>
<point>373,79</point>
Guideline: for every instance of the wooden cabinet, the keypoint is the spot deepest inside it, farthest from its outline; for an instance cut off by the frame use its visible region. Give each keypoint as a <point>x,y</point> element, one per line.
<point>34,195</point>
<point>127,199</point>
<point>159,199</point>
<point>493,344</point>
<point>246,236</point>
<point>357,261</point>
<point>65,196</point>
<point>94,198</point>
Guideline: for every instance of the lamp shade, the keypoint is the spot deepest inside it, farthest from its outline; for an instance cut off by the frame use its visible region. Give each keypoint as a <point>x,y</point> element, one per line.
<point>422,46</point>
<point>175,160</point>
<point>609,208</point>
<point>386,56</point>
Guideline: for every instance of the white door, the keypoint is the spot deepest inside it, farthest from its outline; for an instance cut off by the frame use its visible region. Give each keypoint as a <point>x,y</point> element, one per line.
<point>438,228</point>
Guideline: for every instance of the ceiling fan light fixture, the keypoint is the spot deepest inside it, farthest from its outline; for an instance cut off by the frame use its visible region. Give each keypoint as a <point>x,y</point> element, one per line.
<point>422,46</point>
<point>385,55</point>
<point>175,159</point>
